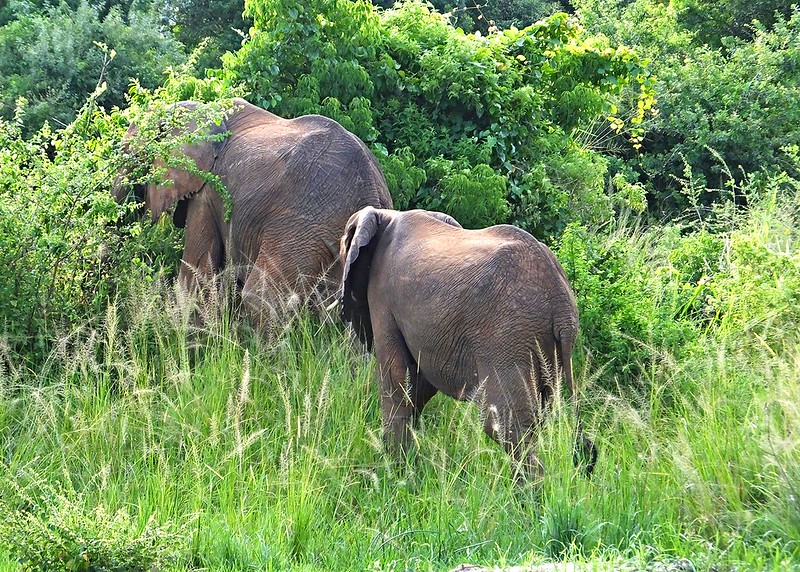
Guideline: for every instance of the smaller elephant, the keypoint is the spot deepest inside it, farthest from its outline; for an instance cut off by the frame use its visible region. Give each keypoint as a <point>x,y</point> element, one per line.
<point>481,315</point>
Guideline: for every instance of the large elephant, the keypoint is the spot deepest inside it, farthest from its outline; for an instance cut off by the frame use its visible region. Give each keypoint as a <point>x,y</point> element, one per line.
<point>482,315</point>
<point>293,185</point>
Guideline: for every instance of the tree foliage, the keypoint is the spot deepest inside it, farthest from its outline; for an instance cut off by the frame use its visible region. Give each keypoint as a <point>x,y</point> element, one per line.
<point>723,111</point>
<point>55,59</point>
<point>474,15</point>
<point>726,113</point>
<point>447,112</point>
<point>714,20</point>
<point>507,14</point>
<point>219,26</point>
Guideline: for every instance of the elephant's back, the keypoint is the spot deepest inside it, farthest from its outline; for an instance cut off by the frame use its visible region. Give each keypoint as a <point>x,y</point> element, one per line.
<point>297,181</point>
<point>342,166</point>
<point>530,262</point>
<point>310,164</point>
<point>468,284</point>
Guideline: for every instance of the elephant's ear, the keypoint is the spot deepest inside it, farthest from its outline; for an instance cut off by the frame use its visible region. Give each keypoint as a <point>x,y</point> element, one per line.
<point>201,151</point>
<point>357,246</point>
<point>183,184</point>
<point>205,151</point>
<point>121,188</point>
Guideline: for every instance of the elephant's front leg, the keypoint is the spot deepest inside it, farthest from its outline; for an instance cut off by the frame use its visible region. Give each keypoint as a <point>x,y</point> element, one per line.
<point>404,391</point>
<point>204,248</point>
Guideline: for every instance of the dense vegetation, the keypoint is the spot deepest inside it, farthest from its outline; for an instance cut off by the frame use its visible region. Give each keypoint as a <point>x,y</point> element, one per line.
<point>654,146</point>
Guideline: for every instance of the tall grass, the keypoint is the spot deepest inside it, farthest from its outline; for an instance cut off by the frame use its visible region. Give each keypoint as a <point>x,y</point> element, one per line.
<point>150,442</point>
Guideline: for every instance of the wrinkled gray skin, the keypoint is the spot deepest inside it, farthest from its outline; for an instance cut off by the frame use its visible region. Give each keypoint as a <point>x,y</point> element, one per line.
<point>294,183</point>
<point>483,315</point>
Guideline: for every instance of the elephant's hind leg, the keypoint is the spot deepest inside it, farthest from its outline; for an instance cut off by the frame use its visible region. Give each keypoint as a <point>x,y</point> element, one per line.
<point>281,280</point>
<point>517,437</point>
<point>513,420</point>
<point>266,295</point>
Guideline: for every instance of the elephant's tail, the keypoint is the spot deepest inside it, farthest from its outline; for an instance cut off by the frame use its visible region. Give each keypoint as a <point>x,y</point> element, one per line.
<point>585,450</point>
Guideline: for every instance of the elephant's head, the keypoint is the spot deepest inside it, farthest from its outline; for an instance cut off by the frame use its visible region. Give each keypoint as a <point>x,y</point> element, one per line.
<point>361,235</point>
<point>190,142</point>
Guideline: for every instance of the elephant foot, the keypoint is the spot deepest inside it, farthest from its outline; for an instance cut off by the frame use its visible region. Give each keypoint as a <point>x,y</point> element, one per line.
<point>585,454</point>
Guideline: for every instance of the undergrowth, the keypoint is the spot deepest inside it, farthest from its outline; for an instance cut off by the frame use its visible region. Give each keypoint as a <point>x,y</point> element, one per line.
<point>168,436</point>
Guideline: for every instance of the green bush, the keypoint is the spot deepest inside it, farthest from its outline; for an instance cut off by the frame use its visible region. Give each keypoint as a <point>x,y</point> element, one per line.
<point>732,276</point>
<point>516,13</point>
<point>756,294</point>
<point>47,527</point>
<point>64,248</point>
<point>694,261</point>
<point>474,196</point>
<point>633,301</point>
<point>472,15</point>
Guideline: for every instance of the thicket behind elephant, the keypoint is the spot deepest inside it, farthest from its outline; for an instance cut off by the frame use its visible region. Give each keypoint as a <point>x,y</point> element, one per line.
<point>293,184</point>
<point>483,315</point>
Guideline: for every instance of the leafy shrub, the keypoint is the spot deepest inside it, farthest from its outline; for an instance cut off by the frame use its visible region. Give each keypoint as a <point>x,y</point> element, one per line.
<point>401,175</point>
<point>47,528</point>
<point>473,15</point>
<point>63,245</point>
<point>733,276</point>
<point>629,297</point>
<point>517,13</point>
<point>474,196</point>
<point>756,294</point>
<point>649,25</point>
<point>694,260</point>
<point>567,185</point>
